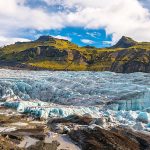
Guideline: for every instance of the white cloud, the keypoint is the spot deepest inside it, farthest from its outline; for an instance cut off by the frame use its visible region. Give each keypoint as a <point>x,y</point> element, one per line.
<point>87,41</point>
<point>79,35</point>
<point>15,14</point>
<point>118,17</point>
<point>7,41</point>
<point>62,37</point>
<point>94,34</point>
<point>107,42</point>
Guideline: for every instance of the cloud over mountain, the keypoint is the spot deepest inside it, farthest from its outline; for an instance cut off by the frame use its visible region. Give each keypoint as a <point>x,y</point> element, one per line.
<point>117,17</point>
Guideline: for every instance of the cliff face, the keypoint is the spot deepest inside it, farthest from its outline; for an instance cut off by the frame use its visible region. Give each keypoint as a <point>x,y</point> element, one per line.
<point>55,54</point>
<point>132,61</point>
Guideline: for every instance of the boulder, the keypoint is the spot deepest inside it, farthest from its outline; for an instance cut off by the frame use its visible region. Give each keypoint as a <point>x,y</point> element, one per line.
<point>66,129</point>
<point>101,121</point>
<point>58,128</point>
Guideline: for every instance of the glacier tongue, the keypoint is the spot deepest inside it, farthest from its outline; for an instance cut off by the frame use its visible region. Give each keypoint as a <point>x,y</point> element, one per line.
<point>45,94</point>
<point>120,91</point>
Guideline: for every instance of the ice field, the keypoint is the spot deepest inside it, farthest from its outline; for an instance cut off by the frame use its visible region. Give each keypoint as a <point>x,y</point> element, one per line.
<point>48,94</point>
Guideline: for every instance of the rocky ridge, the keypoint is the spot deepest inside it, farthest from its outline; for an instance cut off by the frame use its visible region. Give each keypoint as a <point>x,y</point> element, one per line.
<point>56,54</point>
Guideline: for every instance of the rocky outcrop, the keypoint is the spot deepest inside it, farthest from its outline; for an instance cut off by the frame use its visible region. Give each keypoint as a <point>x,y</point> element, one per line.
<point>134,60</point>
<point>44,146</point>
<point>117,139</point>
<point>43,52</point>
<point>45,38</point>
<point>125,42</point>
<point>6,144</point>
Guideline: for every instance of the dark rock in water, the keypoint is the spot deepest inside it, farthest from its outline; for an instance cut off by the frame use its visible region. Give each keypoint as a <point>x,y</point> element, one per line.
<point>100,139</point>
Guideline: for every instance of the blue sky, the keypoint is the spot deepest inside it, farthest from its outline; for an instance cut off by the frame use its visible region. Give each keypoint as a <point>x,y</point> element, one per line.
<point>99,23</point>
<point>80,36</point>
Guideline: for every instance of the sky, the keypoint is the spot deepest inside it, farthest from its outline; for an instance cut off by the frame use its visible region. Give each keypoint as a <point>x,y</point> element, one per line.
<point>99,23</point>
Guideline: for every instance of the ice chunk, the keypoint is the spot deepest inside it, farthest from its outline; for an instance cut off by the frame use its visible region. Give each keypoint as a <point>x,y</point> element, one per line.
<point>138,126</point>
<point>143,117</point>
<point>148,125</point>
<point>44,114</point>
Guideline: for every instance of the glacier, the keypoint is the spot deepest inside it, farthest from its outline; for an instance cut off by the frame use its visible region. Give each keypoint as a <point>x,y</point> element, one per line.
<point>60,94</point>
<point>121,91</point>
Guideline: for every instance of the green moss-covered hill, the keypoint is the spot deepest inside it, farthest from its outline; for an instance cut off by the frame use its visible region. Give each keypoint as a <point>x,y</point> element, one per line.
<point>56,54</point>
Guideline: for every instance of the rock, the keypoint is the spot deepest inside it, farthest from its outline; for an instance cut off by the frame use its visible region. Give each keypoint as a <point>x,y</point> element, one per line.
<point>45,38</point>
<point>125,42</point>
<point>101,122</point>
<point>6,144</point>
<point>59,129</point>
<point>87,118</point>
<point>92,126</point>
<point>45,146</point>
<point>143,117</point>
<point>126,56</point>
<point>111,119</point>
<point>66,129</point>
<point>82,120</point>
<point>101,139</point>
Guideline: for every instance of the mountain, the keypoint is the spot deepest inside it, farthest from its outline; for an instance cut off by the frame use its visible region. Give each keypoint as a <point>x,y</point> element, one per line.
<point>57,54</point>
<point>125,42</point>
